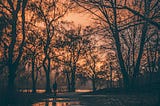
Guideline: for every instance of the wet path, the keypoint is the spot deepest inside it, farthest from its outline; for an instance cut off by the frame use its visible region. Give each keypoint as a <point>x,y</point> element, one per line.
<point>74,99</point>
<point>65,99</point>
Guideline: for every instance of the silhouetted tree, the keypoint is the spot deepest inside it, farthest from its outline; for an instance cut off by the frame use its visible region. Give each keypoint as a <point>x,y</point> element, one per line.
<point>112,21</point>
<point>92,60</point>
<point>72,43</point>
<point>49,13</point>
<point>110,13</point>
<point>13,58</point>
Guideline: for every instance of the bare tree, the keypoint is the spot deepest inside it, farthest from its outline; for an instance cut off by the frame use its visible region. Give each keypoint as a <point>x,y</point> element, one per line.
<point>49,13</point>
<point>71,41</point>
<point>91,61</point>
<point>33,55</point>
<point>110,13</point>
<point>110,17</point>
<point>13,57</point>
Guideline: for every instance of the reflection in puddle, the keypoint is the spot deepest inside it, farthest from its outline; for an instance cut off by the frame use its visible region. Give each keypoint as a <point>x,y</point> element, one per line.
<point>58,102</point>
<point>73,103</point>
<point>61,99</point>
<point>42,90</point>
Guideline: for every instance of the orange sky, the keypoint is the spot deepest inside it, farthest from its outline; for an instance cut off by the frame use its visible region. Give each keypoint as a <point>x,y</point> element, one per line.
<point>79,19</point>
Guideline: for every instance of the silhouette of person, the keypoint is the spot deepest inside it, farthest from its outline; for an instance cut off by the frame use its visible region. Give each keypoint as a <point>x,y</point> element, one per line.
<point>55,88</point>
<point>54,103</point>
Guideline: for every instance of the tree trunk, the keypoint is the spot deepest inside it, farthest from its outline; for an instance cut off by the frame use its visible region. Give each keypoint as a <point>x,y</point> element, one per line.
<point>116,37</point>
<point>46,66</point>
<point>33,76</point>
<point>11,85</point>
<point>68,82</point>
<point>11,78</point>
<point>48,88</point>
<point>73,79</point>
<point>34,87</point>
<point>73,82</point>
<point>93,84</point>
<point>110,65</point>
<point>11,65</point>
<point>121,62</point>
<point>142,43</point>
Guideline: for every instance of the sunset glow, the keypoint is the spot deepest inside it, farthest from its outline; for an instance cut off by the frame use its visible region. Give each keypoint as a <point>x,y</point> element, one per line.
<point>79,19</point>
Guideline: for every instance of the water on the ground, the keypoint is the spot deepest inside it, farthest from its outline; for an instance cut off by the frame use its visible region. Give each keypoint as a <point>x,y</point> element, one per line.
<point>58,102</point>
<point>100,100</point>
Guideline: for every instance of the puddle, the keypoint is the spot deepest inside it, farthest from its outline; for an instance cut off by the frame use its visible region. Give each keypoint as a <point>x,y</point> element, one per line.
<point>60,99</point>
<point>71,103</point>
<point>58,102</point>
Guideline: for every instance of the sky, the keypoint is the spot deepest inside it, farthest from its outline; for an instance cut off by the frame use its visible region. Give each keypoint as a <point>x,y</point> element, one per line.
<point>79,18</point>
